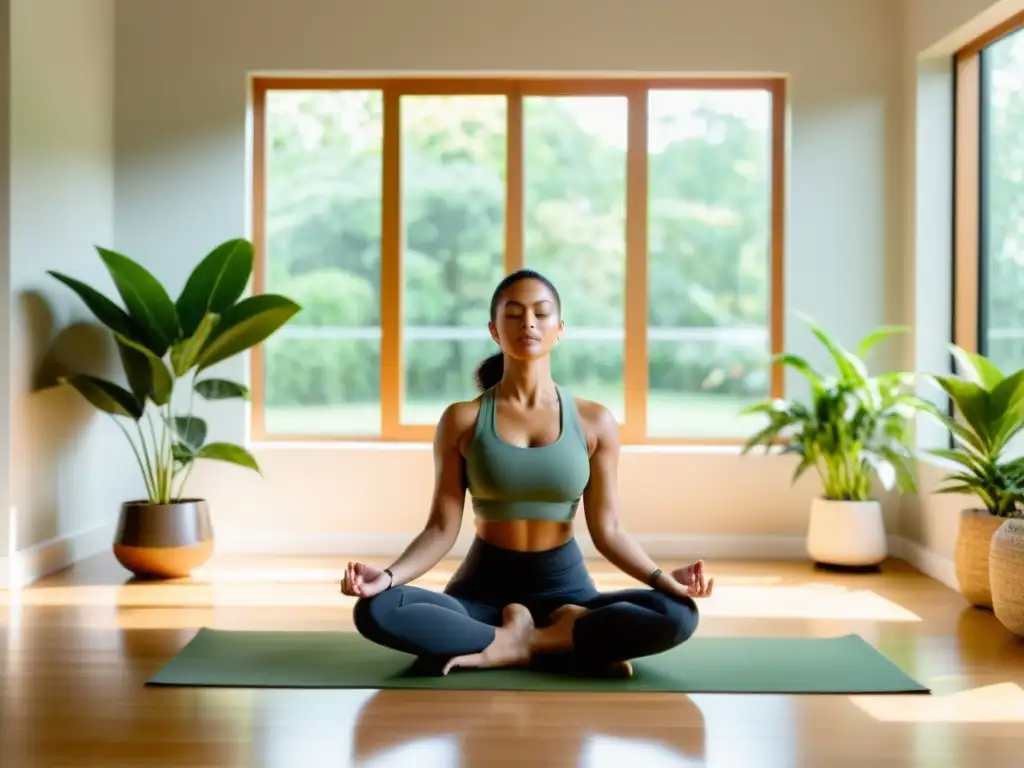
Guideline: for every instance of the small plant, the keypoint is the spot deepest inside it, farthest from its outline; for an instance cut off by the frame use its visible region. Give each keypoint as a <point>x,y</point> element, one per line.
<point>165,345</point>
<point>855,426</point>
<point>991,408</point>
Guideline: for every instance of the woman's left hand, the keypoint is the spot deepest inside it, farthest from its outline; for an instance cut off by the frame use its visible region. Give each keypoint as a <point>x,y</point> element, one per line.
<point>693,580</point>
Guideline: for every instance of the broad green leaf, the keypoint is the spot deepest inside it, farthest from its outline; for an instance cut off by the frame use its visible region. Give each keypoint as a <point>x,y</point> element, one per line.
<point>1007,402</point>
<point>191,431</point>
<point>800,364</point>
<point>137,370</point>
<point>972,402</point>
<point>215,284</point>
<point>958,488</point>
<point>106,396</point>
<point>961,457</point>
<point>978,368</point>
<point>849,367</point>
<point>765,437</point>
<point>161,383</point>
<point>185,353</point>
<point>245,325</point>
<point>147,301</point>
<point>227,452</point>
<point>765,407</point>
<point>872,339</point>
<point>961,433</point>
<point>221,389</point>
<point>182,454</point>
<point>1014,467</point>
<point>805,463</point>
<point>105,310</point>
<point>903,464</point>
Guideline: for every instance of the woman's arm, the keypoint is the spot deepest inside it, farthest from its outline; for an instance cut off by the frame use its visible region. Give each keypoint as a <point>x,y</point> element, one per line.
<point>601,507</point>
<point>449,498</point>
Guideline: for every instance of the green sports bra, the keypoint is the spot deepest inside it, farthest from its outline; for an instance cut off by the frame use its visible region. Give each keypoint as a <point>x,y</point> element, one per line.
<point>546,482</point>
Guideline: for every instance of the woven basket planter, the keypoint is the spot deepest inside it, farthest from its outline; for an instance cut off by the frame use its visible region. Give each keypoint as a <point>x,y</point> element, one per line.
<point>1006,569</point>
<point>972,555</point>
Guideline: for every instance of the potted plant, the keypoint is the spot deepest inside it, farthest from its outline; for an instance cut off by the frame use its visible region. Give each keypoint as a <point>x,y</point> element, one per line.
<point>991,413</point>
<point>166,349</point>
<point>855,427</point>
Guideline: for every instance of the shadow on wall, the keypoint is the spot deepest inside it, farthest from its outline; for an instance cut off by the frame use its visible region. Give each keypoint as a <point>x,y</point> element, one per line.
<point>51,449</point>
<point>81,347</point>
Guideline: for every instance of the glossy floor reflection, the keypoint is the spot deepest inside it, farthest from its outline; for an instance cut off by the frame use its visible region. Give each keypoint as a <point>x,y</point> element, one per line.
<point>77,648</point>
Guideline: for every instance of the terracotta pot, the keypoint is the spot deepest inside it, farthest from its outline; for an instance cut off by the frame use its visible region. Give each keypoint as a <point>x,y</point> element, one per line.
<point>846,533</point>
<point>1006,569</point>
<point>972,549</point>
<point>164,541</point>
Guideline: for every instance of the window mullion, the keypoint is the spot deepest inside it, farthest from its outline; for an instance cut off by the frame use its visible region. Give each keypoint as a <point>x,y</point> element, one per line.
<point>635,352</point>
<point>391,364</point>
<point>514,195</point>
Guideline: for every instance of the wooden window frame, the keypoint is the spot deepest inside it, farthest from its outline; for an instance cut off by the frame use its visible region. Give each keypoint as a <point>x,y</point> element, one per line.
<point>968,262</point>
<point>633,431</point>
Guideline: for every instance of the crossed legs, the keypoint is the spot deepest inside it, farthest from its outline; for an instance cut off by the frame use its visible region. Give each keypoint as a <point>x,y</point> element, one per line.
<point>426,623</point>
<point>602,629</point>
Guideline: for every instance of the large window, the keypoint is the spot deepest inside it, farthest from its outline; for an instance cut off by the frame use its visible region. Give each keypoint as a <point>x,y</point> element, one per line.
<point>989,309</point>
<point>391,208</point>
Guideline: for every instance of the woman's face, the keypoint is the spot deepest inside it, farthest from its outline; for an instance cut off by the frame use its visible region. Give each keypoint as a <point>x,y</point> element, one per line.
<point>527,324</point>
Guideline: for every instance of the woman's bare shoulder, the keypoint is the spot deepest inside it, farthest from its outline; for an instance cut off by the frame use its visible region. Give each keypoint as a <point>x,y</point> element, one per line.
<point>458,421</point>
<point>597,420</point>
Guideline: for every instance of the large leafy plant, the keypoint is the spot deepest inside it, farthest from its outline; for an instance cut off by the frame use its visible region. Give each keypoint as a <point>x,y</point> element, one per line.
<point>991,413</point>
<point>166,347</point>
<point>855,426</point>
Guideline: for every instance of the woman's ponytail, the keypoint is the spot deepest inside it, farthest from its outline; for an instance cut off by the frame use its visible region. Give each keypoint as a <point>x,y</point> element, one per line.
<point>490,371</point>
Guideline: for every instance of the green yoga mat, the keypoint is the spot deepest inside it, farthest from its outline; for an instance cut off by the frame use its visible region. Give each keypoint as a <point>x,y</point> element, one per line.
<point>847,664</point>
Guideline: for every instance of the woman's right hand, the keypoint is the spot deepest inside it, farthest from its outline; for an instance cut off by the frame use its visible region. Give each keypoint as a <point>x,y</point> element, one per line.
<point>362,580</point>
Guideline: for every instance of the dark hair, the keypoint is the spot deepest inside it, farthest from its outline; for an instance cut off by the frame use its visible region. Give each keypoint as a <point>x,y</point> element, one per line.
<point>492,368</point>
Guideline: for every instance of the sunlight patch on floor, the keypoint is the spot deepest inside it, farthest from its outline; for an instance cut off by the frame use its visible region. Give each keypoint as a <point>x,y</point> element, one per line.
<point>809,601</point>
<point>1000,703</point>
<point>804,602</point>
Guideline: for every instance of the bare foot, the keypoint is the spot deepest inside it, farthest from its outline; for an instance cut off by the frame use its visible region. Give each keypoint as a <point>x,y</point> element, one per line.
<point>558,634</point>
<point>557,637</point>
<point>510,647</point>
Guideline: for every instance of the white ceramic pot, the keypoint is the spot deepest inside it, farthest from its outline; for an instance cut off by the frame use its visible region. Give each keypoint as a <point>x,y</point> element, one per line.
<point>846,533</point>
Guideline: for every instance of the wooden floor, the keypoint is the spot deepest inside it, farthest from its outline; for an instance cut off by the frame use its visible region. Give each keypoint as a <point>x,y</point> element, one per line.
<point>76,648</point>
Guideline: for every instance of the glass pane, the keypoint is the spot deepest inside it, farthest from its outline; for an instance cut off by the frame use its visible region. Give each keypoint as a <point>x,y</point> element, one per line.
<point>323,190</point>
<point>322,385</point>
<point>453,208</point>
<point>709,262</point>
<point>1002,210</point>
<point>437,367</point>
<point>574,182</point>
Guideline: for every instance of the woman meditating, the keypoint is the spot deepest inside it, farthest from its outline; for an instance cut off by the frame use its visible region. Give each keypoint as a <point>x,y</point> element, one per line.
<point>528,453</point>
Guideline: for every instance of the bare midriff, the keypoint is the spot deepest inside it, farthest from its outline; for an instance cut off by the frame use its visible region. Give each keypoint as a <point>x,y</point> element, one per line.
<point>524,535</point>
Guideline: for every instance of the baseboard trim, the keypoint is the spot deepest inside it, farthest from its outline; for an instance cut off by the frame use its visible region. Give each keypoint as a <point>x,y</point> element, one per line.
<point>33,563</point>
<point>39,560</point>
<point>726,546</point>
<point>657,545</point>
<point>928,562</point>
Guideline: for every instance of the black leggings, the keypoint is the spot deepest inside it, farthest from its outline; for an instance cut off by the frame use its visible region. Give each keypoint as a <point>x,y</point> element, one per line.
<point>618,626</point>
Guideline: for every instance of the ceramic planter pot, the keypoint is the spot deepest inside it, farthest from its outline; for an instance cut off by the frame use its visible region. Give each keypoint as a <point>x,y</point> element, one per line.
<point>164,541</point>
<point>974,536</point>
<point>1006,572</point>
<point>846,533</point>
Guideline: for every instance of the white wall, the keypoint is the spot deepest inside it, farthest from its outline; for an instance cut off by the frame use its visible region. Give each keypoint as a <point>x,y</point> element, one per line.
<point>935,29</point>
<point>69,466</point>
<point>5,325</point>
<point>181,184</point>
